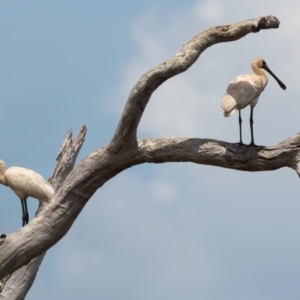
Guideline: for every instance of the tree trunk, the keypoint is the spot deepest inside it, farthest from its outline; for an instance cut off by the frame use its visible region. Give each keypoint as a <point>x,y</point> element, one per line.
<point>22,251</point>
<point>17,284</point>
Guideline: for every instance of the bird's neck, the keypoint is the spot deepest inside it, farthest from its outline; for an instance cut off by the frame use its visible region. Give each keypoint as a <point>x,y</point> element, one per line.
<point>260,72</point>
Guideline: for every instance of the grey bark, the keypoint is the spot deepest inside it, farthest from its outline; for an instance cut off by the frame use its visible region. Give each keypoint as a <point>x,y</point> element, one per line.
<point>22,251</point>
<point>16,285</point>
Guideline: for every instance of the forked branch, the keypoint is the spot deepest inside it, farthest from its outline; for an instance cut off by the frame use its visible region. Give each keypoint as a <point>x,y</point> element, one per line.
<point>180,62</point>
<point>55,219</point>
<point>16,285</point>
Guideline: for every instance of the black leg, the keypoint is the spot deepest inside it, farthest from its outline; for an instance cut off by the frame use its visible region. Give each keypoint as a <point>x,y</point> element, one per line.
<point>23,212</point>
<point>251,127</point>
<point>26,211</point>
<point>25,215</point>
<point>240,123</point>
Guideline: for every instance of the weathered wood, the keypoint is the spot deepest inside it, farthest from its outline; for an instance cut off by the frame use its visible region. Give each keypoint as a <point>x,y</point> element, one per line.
<point>223,154</point>
<point>100,166</point>
<point>22,251</point>
<point>16,285</point>
<point>180,62</point>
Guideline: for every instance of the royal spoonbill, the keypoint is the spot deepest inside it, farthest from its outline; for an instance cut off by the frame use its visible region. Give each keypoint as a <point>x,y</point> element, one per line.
<point>245,90</point>
<point>26,183</point>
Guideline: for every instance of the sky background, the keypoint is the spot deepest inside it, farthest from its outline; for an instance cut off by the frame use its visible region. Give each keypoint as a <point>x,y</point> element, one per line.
<point>154,232</point>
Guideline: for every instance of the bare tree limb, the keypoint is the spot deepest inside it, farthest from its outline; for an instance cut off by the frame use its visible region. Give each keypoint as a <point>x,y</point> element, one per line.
<point>16,285</point>
<point>180,62</point>
<point>93,171</point>
<point>223,154</point>
<point>78,185</point>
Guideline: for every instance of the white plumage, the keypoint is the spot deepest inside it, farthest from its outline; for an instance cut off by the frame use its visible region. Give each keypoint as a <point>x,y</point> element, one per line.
<point>26,183</point>
<point>245,90</point>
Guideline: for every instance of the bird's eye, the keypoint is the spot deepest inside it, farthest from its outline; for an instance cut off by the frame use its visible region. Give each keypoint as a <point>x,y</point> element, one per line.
<point>264,63</point>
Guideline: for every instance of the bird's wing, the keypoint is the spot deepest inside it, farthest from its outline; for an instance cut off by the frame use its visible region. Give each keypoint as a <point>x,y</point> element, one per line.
<point>243,89</point>
<point>29,183</point>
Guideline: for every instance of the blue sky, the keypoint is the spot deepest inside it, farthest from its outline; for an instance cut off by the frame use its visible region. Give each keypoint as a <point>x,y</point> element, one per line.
<point>171,231</point>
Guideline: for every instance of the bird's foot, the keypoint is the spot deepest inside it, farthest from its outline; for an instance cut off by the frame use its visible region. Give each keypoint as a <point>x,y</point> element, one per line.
<point>253,145</point>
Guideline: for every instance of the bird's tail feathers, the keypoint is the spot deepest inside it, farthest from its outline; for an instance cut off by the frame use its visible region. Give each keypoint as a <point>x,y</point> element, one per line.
<point>228,105</point>
<point>226,114</point>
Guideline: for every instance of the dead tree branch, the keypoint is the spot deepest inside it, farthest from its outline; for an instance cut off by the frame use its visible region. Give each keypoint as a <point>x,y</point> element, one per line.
<point>74,187</point>
<point>9,289</point>
<point>180,62</point>
<point>222,154</point>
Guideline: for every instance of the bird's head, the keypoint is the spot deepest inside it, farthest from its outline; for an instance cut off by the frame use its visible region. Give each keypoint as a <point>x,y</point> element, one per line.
<point>260,63</point>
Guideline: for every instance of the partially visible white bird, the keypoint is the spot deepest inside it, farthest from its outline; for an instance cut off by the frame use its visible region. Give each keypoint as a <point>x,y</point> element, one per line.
<point>244,90</point>
<point>26,183</point>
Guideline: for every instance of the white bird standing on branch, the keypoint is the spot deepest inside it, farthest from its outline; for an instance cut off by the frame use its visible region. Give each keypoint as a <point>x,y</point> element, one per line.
<point>26,183</point>
<point>244,90</point>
